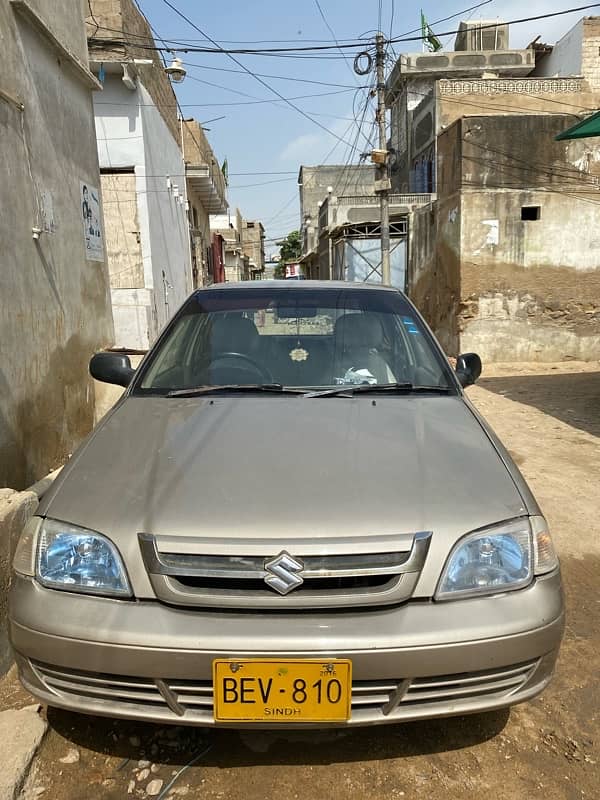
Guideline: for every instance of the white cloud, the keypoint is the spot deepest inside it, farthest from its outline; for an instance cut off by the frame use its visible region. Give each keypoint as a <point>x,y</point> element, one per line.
<point>303,147</point>
<point>311,148</point>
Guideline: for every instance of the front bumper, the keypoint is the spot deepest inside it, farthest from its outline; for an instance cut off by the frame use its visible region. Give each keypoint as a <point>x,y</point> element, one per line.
<point>144,660</point>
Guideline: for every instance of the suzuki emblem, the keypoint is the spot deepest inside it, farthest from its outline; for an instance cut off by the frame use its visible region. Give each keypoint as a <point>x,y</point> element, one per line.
<point>283,573</point>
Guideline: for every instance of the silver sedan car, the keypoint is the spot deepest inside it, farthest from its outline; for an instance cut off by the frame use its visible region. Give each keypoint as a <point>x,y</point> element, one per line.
<point>294,517</point>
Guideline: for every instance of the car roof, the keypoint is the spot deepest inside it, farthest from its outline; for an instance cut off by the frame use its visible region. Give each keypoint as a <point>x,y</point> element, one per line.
<point>295,286</point>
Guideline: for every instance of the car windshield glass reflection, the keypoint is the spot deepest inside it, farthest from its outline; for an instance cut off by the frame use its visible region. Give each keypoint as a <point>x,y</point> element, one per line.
<point>313,338</point>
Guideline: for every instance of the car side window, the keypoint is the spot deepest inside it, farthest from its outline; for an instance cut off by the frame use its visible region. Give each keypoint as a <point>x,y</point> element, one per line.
<point>168,365</point>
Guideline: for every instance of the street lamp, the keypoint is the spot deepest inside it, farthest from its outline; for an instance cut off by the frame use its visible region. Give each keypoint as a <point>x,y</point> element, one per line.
<point>176,71</point>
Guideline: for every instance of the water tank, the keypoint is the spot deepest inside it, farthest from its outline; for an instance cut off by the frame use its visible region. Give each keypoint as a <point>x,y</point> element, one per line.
<point>482,34</point>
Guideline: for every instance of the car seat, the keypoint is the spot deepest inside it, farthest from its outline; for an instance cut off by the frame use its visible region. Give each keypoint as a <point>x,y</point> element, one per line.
<point>234,334</point>
<point>358,341</point>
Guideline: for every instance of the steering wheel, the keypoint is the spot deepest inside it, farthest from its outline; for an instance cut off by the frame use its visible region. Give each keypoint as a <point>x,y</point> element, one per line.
<point>262,371</point>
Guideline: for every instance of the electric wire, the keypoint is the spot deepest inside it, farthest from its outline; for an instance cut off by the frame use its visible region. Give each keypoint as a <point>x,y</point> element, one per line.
<point>119,171</point>
<point>349,154</point>
<point>493,106</point>
<point>114,43</point>
<point>219,86</point>
<point>284,172</point>
<point>583,182</point>
<point>331,31</point>
<point>262,183</point>
<point>447,19</point>
<point>274,77</point>
<point>347,170</point>
<point>260,80</point>
<point>287,204</point>
<point>352,145</point>
<point>94,20</point>
<point>231,105</point>
<point>263,101</point>
<point>154,32</point>
<point>323,162</point>
<point>184,40</point>
<point>538,189</point>
<point>508,22</point>
<point>545,169</point>
<point>181,117</point>
<point>392,13</point>
<point>320,48</point>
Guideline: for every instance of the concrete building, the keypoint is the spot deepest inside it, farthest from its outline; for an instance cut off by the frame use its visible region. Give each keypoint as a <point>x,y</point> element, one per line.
<point>349,237</point>
<point>421,94</point>
<point>55,310</point>
<point>253,243</point>
<point>576,54</point>
<point>270,267</point>
<point>206,195</point>
<point>144,177</point>
<point>315,185</point>
<point>506,261</point>
<point>341,235</point>
<point>227,232</point>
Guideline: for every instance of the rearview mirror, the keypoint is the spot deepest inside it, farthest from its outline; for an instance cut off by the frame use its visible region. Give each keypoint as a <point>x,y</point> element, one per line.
<point>112,368</point>
<point>296,312</point>
<point>468,368</point>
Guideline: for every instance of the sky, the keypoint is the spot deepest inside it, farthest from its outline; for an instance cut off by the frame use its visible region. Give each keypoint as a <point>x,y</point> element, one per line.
<point>272,139</point>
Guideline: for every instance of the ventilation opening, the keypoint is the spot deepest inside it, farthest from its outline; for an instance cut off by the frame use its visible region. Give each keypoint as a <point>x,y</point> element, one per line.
<point>530,213</point>
<point>117,171</point>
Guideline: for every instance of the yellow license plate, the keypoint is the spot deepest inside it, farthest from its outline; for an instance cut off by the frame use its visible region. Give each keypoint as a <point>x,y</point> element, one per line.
<point>275,690</point>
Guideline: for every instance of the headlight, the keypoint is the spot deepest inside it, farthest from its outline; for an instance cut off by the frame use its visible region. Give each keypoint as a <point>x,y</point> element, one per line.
<point>497,559</point>
<point>78,560</point>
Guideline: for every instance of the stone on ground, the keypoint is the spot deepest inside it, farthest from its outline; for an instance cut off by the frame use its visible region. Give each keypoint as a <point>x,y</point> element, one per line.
<point>20,733</point>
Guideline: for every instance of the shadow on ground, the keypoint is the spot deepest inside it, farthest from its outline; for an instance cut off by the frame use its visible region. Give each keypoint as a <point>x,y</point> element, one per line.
<point>175,746</point>
<point>573,398</point>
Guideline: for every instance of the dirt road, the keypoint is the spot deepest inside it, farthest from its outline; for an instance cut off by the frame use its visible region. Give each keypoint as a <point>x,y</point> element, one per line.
<point>549,417</point>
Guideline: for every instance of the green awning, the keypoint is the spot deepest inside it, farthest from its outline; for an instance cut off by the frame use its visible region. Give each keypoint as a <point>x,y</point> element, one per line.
<point>590,126</point>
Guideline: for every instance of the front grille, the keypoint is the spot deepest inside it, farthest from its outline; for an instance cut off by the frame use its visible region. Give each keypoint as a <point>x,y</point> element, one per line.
<point>396,698</point>
<point>364,579</point>
<point>468,684</point>
<point>193,699</point>
<point>95,685</point>
<point>309,585</point>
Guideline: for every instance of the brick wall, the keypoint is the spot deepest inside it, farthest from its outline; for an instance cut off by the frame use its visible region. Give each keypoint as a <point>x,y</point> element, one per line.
<point>590,52</point>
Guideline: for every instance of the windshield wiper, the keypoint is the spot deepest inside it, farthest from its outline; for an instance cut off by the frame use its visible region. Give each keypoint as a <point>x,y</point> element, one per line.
<point>364,388</point>
<point>346,390</point>
<point>278,388</point>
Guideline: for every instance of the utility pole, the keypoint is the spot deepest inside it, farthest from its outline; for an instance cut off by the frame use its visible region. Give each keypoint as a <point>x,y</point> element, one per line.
<point>382,183</point>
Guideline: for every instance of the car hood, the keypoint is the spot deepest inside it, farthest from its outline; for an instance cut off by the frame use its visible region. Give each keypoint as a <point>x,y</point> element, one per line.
<point>286,469</point>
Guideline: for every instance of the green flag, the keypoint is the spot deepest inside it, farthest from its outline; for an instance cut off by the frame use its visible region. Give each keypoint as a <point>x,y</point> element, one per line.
<point>225,171</point>
<point>429,38</point>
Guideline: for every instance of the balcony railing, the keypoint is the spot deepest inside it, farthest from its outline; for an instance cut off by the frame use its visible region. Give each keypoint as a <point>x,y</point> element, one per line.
<point>350,209</point>
<point>416,199</point>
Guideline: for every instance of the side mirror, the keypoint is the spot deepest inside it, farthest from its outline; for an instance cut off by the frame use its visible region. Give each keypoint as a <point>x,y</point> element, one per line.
<point>112,368</point>
<point>468,368</point>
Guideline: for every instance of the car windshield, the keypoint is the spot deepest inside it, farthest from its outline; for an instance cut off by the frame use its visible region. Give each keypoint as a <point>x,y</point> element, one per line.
<point>314,338</point>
